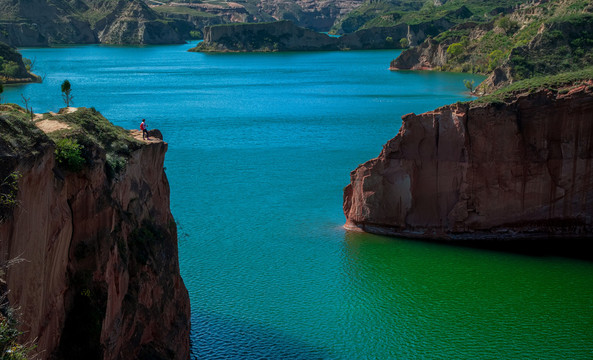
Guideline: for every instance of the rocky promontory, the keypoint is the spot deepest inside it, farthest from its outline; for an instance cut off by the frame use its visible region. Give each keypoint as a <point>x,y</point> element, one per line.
<point>86,206</point>
<point>264,37</point>
<point>521,167</point>
<point>286,36</point>
<point>12,67</point>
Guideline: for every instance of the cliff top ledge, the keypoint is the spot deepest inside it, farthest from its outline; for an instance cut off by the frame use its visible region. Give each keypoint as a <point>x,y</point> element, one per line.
<point>87,205</point>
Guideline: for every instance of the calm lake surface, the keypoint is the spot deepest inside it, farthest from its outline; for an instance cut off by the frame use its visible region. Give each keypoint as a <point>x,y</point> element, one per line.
<point>260,148</point>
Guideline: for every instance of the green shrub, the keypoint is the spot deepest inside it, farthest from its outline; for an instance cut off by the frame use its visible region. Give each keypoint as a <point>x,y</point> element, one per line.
<point>10,68</point>
<point>469,85</point>
<point>455,49</point>
<point>10,346</point>
<point>9,188</point>
<point>404,43</point>
<point>495,59</point>
<point>114,164</point>
<point>69,154</point>
<point>506,24</point>
<point>28,64</point>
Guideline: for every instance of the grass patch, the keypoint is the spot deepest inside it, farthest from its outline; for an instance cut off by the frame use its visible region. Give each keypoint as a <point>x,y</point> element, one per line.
<point>89,130</point>
<point>556,83</point>
<point>181,10</point>
<point>412,12</point>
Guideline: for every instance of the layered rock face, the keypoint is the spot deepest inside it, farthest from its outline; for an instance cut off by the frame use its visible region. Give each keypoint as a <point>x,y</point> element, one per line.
<point>286,36</point>
<point>276,36</point>
<point>133,22</point>
<point>519,169</point>
<point>319,15</point>
<point>101,278</point>
<point>376,38</point>
<point>429,55</point>
<point>43,23</point>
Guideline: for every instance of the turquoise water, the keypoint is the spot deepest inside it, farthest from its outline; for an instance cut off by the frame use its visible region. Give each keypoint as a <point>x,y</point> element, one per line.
<point>260,148</point>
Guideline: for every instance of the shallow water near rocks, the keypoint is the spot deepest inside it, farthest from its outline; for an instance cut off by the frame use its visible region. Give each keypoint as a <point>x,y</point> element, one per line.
<point>260,148</point>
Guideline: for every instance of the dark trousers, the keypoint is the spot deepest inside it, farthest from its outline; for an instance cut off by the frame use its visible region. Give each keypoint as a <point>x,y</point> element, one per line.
<point>144,132</point>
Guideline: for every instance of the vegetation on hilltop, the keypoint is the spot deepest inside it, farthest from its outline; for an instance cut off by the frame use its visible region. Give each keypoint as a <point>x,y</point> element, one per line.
<point>559,83</point>
<point>535,39</point>
<point>384,13</point>
<point>88,132</point>
<point>88,136</point>
<point>49,22</point>
<point>547,38</point>
<point>17,133</point>
<point>168,10</point>
<point>375,13</point>
<point>13,67</point>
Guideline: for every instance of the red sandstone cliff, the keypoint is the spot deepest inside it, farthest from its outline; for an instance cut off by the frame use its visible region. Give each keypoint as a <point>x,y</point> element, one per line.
<point>519,169</point>
<point>101,278</point>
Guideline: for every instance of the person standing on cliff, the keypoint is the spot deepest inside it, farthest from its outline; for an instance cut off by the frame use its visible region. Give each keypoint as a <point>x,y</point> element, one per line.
<point>144,129</point>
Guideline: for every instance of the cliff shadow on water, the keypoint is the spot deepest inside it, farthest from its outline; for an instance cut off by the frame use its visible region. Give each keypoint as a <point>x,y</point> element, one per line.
<point>224,337</point>
<point>570,248</point>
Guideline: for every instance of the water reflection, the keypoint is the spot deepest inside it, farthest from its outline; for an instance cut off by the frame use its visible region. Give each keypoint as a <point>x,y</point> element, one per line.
<point>461,301</point>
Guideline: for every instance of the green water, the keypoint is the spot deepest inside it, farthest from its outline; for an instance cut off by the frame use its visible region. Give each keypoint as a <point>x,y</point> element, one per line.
<point>260,148</point>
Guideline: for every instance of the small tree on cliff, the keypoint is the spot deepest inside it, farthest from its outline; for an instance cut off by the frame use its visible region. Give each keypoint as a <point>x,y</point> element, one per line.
<point>469,85</point>
<point>66,93</point>
<point>404,43</point>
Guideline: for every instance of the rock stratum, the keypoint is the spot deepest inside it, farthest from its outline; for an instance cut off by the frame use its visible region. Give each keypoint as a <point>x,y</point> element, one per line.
<point>534,39</point>
<point>44,23</point>
<point>286,36</point>
<point>517,169</point>
<point>275,36</point>
<point>101,276</point>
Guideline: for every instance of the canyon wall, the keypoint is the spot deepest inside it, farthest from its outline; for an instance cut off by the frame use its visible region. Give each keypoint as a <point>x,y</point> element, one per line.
<point>274,36</point>
<point>101,276</point>
<point>521,168</point>
<point>286,36</point>
<point>46,23</point>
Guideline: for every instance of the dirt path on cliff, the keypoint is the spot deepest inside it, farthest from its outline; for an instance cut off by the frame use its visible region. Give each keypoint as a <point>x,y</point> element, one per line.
<point>51,125</point>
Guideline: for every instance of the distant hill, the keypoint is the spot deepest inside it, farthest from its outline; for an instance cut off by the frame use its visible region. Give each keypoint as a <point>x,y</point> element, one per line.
<point>318,15</point>
<point>387,13</point>
<point>535,39</point>
<point>49,22</point>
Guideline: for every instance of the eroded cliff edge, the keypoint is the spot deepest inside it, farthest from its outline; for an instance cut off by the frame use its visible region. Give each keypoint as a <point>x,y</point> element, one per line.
<point>520,168</point>
<point>101,278</point>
